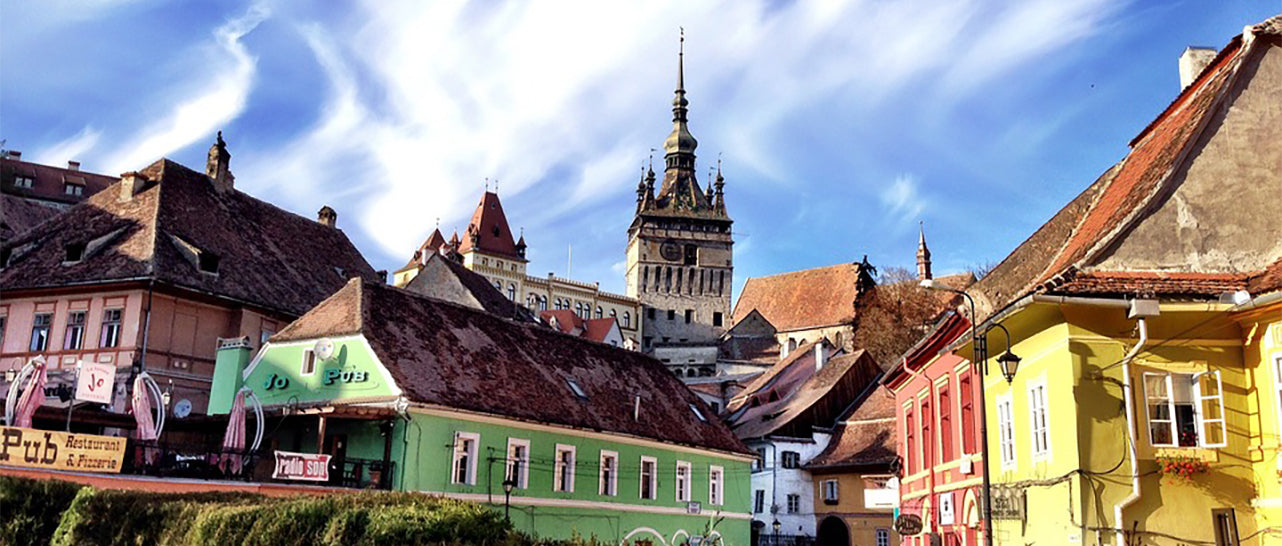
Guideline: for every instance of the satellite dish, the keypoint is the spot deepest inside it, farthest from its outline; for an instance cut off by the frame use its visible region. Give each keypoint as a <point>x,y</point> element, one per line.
<point>324,349</point>
<point>182,408</point>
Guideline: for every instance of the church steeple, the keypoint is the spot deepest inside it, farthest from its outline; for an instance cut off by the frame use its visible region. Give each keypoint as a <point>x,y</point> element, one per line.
<point>679,147</point>
<point>923,254</point>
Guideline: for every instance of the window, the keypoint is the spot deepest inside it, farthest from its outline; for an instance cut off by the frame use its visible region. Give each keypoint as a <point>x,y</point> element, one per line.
<point>40,331</point>
<point>650,313</point>
<point>691,255</point>
<point>927,440</point>
<point>672,314</point>
<point>1185,410</point>
<point>309,362</point>
<point>883,536</point>
<point>264,335</point>
<point>716,318</point>
<point>1037,421</point>
<point>73,189</point>
<point>627,319</point>
<point>609,482</point>
<point>24,182</point>
<point>2,322</point>
<point>683,481</point>
<point>649,478</point>
<point>518,462</point>
<point>208,262</point>
<point>967,396</point>
<point>464,468</point>
<point>511,292</point>
<point>498,285</point>
<point>945,424</point>
<point>110,328</point>
<point>760,462</point>
<point>543,303</point>
<point>698,413</point>
<point>74,252</point>
<point>600,313</point>
<point>716,483</point>
<point>830,492</point>
<point>790,459</point>
<point>1225,524</point>
<point>563,469</point>
<point>794,503</point>
<point>74,335</point>
<point>759,501</point>
<point>578,309</point>
<point>911,461</point>
<point>689,315</point>
<point>575,388</point>
<point>1005,432</point>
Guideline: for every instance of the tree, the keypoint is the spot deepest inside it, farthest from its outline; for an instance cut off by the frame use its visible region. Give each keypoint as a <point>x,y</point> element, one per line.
<point>895,314</point>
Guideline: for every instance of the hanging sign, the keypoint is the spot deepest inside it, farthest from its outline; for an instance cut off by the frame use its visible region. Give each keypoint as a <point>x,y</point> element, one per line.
<point>907,524</point>
<point>31,448</point>
<point>311,467</point>
<point>1008,503</point>
<point>96,382</point>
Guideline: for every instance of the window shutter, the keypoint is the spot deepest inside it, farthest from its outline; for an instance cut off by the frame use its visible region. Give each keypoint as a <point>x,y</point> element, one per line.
<point>1210,409</point>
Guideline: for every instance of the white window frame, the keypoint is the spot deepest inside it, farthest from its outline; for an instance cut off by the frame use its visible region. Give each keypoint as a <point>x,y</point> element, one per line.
<point>654,478</point>
<point>1039,421</point>
<point>522,464</point>
<point>559,468</point>
<point>1199,412</point>
<point>309,357</point>
<point>883,536</point>
<point>1006,432</point>
<point>1199,409</point>
<point>683,481</point>
<point>792,503</point>
<point>831,491</point>
<point>608,488</point>
<point>716,485</point>
<point>1277,386</point>
<point>759,501</point>
<point>459,441</point>
<point>1149,420</point>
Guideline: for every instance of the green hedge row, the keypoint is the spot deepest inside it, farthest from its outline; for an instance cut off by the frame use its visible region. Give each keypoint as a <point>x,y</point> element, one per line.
<point>60,514</point>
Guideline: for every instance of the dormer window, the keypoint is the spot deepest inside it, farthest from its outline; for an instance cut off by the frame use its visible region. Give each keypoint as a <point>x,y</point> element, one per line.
<point>576,389</point>
<point>208,262</point>
<point>25,182</point>
<point>74,253</point>
<point>75,190</point>
<point>698,413</point>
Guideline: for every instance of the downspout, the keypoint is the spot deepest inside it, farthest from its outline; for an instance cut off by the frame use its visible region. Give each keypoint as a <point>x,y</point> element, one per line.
<point>146,326</point>
<point>1130,433</point>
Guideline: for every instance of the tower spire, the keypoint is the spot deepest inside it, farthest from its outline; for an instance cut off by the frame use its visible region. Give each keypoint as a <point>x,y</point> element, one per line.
<point>679,147</point>
<point>923,253</point>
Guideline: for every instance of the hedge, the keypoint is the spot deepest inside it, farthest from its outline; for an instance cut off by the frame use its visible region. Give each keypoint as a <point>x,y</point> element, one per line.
<point>63,514</point>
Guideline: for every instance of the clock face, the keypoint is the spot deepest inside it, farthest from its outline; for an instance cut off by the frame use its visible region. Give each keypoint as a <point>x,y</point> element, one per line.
<point>670,251</point>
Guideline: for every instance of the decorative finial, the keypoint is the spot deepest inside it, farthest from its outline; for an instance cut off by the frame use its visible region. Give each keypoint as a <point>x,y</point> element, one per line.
<point>651,159</point>
<point>496,186</point>
<point>487,183</point>
<point>681,55</point>
<point>438,222</point>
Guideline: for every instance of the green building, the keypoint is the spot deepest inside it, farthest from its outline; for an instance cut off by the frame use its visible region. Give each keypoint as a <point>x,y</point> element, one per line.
<point>417,394</point>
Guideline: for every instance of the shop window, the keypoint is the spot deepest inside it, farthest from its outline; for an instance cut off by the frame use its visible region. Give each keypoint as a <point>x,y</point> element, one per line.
<point>1185,410</point>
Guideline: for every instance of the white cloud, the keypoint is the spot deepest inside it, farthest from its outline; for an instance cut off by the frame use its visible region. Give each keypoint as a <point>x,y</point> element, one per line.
<point>903,201</point>
<point>72,148</point>
<point>216,96</point>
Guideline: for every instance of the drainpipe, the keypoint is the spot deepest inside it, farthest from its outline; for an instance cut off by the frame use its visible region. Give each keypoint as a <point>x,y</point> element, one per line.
<point>1130,432</point>
<point>146,326</point>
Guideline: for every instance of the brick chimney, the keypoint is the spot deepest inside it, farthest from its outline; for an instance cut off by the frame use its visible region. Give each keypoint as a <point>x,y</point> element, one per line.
<point>218,165</point>
<point>327,217</point>
<point>1193,61</point>
<point>14,154</point>
<point>131,183</point>
<point>73,165</point>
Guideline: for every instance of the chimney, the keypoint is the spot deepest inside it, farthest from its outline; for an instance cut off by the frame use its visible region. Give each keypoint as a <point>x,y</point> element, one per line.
<point>131,183</point>
<point>327,217</point>
<point>820,357</point>
<point>14,154</point>
<point>1192,62</point>
<point>218,165</point>
<point>73,165</point>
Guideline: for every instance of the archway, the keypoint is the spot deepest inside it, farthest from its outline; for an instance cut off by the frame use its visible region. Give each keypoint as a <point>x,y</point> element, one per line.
<point>832,532</point>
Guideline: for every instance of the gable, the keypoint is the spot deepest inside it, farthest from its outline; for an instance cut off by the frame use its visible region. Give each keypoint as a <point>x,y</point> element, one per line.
<point>354,374</point>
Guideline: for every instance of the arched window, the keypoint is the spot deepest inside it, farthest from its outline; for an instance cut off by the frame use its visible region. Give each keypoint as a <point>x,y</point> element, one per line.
<point>578,309</point>
<point>498,285</point>
<point>599,312</point>
<point>627,319</point>
<point>679,275</point>
<point>557,304</point>
<point>543,303</point>
<point>511,292</point>
<point>531,300</point>
<point>614,314</point>
<point>667,282</point>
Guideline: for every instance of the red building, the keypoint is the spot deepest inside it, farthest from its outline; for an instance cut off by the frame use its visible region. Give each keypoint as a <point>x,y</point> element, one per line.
<point>937,412</point>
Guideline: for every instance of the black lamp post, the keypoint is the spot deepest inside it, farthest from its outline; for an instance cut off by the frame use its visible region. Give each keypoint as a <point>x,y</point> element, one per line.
<point>776,526</point>
<point>1008,361</point>
<point>508,485</point>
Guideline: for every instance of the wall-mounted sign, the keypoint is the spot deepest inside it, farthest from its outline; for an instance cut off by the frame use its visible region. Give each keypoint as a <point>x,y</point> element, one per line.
<point>1008,503</point>
<point>96,383</point>
<point>51,450</point>
<point>907,524</point>
<point>276,383</point>
<point>335,375</point>
<point>312,467</point>
<point>693,507</point>
<point>946,514</point>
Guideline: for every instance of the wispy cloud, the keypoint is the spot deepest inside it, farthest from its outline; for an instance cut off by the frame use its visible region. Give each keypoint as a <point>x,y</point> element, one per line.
<point>903,201</point>
<point>218,94</point>
<point>73,148</point>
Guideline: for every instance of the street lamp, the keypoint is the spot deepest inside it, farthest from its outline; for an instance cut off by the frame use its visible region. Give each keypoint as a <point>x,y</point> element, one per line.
<point>979,358</point>
<point>1008,361</point>
<point>776,526</point>
<point>508,485</point>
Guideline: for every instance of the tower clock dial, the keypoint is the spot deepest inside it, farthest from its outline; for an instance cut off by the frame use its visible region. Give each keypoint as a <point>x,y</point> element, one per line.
<point>670,251</point>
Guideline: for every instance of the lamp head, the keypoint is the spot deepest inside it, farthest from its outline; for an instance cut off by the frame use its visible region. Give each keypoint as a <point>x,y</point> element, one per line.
<point>776,525</point>
<point>508,485</point>
<point>1010,364</point>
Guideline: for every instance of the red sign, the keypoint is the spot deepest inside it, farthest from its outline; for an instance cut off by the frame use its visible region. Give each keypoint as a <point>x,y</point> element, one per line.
<point>310,467</point>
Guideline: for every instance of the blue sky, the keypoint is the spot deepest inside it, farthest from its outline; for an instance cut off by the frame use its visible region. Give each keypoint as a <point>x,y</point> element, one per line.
<point>839,125</point>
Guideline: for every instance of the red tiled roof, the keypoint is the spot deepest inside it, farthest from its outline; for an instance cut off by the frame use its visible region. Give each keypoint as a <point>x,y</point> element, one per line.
<point>445,279</point>
<point>265,256</point>
<point>449,355</point>
<point>809,298</point>
<point>800,398</point>
<point>566,321</point>
<point>489,227</point>
<point>1269,280</point>
<point>1145,283</point>
<point>597,329</point>
<point>866,437</point>
<point>49,182</point>
<point>18,214</point>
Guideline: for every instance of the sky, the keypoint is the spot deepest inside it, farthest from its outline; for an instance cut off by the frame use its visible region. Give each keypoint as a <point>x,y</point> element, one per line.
<point>840,126</point>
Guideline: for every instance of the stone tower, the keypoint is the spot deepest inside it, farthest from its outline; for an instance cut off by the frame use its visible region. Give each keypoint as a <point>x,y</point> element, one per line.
<point>923,255</point>
<point>679,260</point>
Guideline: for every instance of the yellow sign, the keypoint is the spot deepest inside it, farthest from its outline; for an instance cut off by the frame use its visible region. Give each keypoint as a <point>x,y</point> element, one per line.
<point>31,448</point>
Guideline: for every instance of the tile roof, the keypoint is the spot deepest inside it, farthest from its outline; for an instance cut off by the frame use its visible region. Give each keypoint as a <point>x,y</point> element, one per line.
<point>18,214</point>
<point>867,437</point>
<point>1097,218</point>
<point>445,279</point>
<point>1146,283</point>
<point>49,182</point>
<point>490,229</point>
<point>569,323</point>
<point>1269,280</point>
<point>444,354</point>
<point>802,398</point>
<point>809,298</point>
<point>263,255</point>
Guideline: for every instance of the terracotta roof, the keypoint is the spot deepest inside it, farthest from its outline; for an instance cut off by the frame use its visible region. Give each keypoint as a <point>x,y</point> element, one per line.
<point>797,367</point>
<point>804,299</point>
<point>445,279</point>
<point>49,182</point>
<point>1101,215</point>
<point>1146,283</point>
<point>598,329</point>
<point>18,214</point>
<point>490,230</point>
<point>801,398</point>
<point>444,354</point>
<point>179,226</point>
<point>1269,280</point>
<point>867,437</point>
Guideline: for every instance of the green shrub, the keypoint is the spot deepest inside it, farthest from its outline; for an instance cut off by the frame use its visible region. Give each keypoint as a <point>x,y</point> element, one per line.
<point>31,509</point>
<point>109,517</point>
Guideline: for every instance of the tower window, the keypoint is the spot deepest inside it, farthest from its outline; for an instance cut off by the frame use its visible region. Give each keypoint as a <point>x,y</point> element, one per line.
<point>691,254</point>
<point>672,314</point>
<point>689,315</point>
<point>716,319</point>
<point>649,313</point>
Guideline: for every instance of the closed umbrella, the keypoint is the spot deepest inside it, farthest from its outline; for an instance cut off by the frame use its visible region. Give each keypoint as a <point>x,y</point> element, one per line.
<point>234,438</point>
<point>32,398</point>
<point>146,431</point>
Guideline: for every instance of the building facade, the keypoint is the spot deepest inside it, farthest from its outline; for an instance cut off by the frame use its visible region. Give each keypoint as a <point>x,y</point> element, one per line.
<point>597,441</point>
<point>856,489</point>
<point>680,262</point>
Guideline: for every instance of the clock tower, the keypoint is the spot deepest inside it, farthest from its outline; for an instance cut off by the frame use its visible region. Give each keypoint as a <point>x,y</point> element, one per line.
<point>679,260</point>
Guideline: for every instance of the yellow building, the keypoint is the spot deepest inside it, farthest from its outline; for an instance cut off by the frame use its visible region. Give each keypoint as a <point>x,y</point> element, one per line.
<point>1145,408</point>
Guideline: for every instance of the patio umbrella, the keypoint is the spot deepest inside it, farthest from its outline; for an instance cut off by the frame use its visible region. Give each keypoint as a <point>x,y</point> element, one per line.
<point>142,409</point>
<point>234,438</point>
<point>33,397</point>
